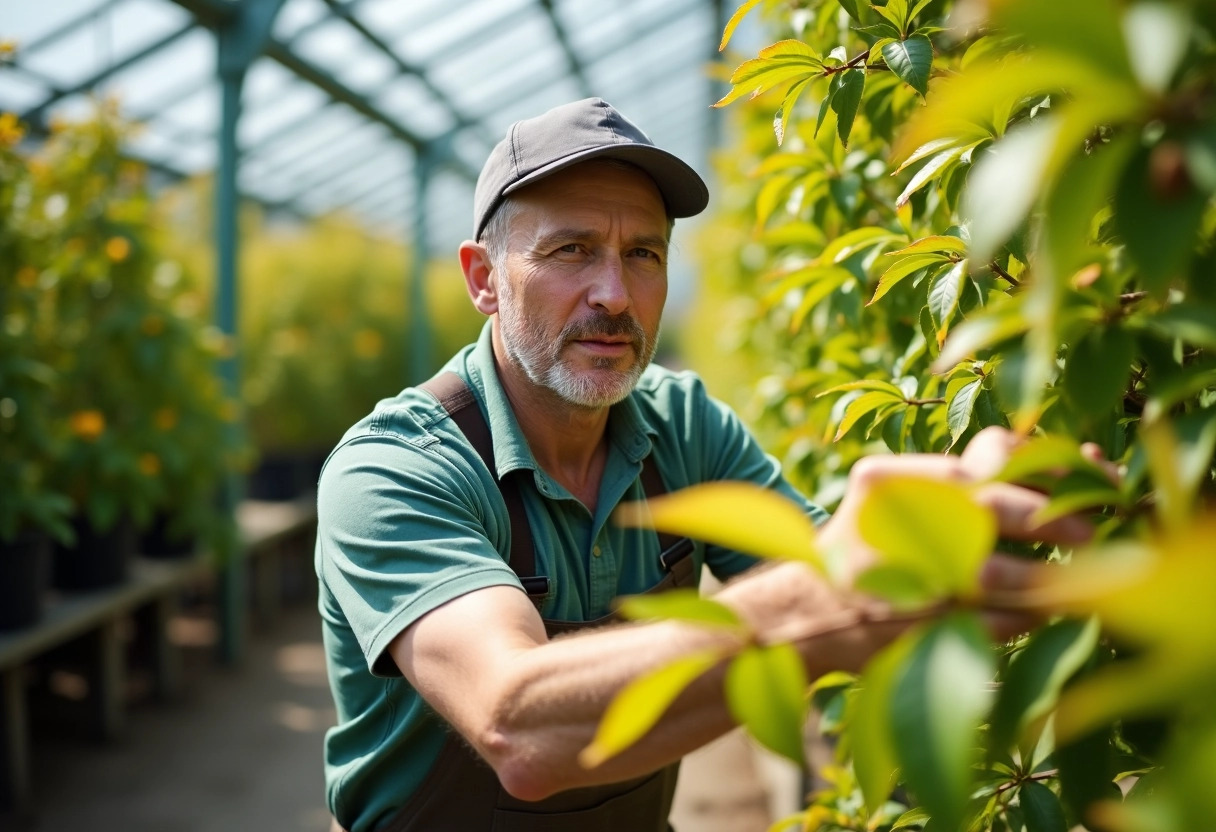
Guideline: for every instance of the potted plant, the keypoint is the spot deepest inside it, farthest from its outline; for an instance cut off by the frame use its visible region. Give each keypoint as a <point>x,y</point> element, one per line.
<point>32,510</point>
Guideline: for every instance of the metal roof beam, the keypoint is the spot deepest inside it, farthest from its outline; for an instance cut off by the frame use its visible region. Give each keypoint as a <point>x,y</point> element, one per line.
<point>212,13</point>
<point>462,119</point>
<point>38,113</point>
<point>672,15</point>
<point>576,65</point>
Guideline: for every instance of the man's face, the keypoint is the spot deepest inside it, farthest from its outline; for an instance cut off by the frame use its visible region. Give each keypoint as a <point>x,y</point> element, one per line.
<point>582,287</point>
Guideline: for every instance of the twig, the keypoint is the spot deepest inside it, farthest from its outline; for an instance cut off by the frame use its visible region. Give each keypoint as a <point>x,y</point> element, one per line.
<point>1004,275</point>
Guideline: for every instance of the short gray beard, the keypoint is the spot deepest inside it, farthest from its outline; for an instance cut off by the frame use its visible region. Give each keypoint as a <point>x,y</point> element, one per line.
<point>540,357</point>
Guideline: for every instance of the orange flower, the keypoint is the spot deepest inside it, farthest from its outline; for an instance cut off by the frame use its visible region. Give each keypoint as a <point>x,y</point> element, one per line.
<point>88,424</point>
<point>118,249</point>
<point>149,464</point>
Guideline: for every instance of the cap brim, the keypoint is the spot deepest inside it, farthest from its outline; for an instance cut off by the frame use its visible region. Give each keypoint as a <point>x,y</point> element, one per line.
<point>684,192</point>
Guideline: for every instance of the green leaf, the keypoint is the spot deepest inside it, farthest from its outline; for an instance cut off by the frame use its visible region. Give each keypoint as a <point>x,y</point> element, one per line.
<point>911,60</point>
<point>681,605</point>
<point>1190,323</point>
<point>766,692</point>
<point>735,20</point>
<point>1041,808</point>
<point>846,101</point>
<point>1037,674</point>
<point>977,334</point>
<point>851,8</point>
<point>932,169</point>
<point>786,60</point>
<point>944,295</point>
<point>960,408</point>
<point>1098,367</point>
<point>641,703</point>
<point>1054,25</point>
<point>737,515</point>
<point>1048,454</point>
<point>782,119</point>
<point>1087,773</point>
<point>1157,215</point>
<point>869,719</point>
<point>933,528</point>
<point>860,407</point>
<point>1004,184</point>
<point>940,699</point>
<point>903,588</point>
<point>895,12</point>
<point>864,384</point>
<point>901,270</point>
<point>1157,36</point>
<point>944,244</point>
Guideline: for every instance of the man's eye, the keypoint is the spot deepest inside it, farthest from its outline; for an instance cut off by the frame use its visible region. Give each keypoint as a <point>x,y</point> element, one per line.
<point>569,248</point>
<point>645,252</point>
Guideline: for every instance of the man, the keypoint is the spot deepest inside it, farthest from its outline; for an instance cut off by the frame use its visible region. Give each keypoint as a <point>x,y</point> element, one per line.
<point>447,572</point>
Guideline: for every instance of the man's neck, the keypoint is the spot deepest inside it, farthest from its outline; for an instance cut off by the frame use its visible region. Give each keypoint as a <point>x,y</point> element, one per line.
<point>569,443</point>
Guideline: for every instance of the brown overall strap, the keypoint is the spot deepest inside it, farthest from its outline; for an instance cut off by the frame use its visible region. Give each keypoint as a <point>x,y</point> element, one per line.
<point>458,400</point>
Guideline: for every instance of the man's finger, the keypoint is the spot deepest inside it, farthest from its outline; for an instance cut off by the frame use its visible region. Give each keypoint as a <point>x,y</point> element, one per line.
<point>1016,509</point>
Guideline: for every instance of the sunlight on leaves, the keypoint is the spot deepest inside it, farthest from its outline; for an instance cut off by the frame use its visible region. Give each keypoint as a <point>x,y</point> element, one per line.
<point>933,528</point>
<point>740,516</point>
<point>766,691</point>
<point>641,703</point>
<point>680,605</point>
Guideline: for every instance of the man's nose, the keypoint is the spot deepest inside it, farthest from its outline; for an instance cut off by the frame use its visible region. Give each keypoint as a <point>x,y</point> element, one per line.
<point>608,290</point>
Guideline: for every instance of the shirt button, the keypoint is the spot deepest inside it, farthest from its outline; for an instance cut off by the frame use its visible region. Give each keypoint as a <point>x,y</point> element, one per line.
<point>595,550</point>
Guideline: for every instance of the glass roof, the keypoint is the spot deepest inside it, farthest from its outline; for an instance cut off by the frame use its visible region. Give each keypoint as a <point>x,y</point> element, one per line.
<point>347,92</point>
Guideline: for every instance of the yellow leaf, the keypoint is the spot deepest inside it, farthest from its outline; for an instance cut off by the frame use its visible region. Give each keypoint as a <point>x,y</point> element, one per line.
<point>737,515</point>
<point>638,706</point>
<point>932,528</point>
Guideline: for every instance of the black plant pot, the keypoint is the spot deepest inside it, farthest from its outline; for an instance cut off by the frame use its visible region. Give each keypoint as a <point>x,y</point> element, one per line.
<point>24,565</point>
<point>284,476</point>
<point>162,543</point>
<point>98,559</point>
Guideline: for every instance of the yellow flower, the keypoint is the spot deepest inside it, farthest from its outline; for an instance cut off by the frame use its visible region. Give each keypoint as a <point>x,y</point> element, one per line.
<point>27,277</point>
<point>88,424</point>
<point>10,131</point>
<point>149,464</point>
<point>165,418</point>
<point>118,249</point>
<point>368,343</point>
<point>8,50</point>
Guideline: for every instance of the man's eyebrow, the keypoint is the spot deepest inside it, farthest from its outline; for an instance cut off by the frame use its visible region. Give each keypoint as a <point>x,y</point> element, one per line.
<point>560,236</point>
<point>655,241</point>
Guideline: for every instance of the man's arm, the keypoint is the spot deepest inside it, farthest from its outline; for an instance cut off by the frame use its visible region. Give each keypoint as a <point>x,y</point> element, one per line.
<point>529,705</point>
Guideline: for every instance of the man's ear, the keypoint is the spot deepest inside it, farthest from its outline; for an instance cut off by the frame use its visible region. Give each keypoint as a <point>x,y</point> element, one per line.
<point>479,276</point>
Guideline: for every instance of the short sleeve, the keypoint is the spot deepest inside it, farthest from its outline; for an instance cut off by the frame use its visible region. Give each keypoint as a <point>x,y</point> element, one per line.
<point>402,528</point>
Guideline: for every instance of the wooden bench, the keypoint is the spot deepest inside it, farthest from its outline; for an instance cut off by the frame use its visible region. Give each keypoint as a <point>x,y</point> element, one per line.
<point>96,618</point>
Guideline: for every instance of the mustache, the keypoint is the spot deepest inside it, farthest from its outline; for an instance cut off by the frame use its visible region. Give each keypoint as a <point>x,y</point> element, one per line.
<point>600,324</point>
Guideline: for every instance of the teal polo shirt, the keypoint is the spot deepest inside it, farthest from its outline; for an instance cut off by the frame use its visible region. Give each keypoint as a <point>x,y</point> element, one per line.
<point>409,517</point>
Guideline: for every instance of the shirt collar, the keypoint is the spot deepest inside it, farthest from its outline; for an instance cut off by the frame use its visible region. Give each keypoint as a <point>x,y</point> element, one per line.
<point>628,430</point>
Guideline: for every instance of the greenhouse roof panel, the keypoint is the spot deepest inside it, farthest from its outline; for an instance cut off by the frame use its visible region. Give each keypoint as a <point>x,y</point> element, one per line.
<point>348,93</point>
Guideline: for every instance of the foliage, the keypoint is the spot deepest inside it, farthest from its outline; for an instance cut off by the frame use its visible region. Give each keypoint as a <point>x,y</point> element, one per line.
<point>322,317</point>
<point>965,214</point>
<point>131,420</point>
<point>27,443</point>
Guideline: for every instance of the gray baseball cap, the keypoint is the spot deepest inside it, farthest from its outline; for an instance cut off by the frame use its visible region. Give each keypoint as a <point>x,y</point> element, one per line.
<point>589,129</point>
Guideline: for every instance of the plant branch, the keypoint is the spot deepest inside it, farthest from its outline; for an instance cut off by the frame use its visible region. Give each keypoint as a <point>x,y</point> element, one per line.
<point>923,402</point>
<point>1004,275</point>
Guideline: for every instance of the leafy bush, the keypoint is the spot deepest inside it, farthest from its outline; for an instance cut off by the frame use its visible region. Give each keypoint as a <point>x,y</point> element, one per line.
<point>981,214</point>
<point>130,419</point>
<point>323,318</point>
